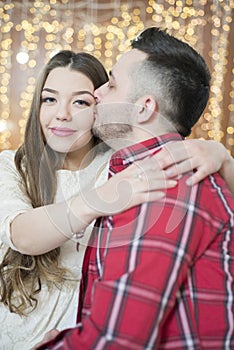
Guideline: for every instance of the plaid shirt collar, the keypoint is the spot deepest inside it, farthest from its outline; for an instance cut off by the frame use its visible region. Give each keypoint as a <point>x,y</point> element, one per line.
<point>141,150</point>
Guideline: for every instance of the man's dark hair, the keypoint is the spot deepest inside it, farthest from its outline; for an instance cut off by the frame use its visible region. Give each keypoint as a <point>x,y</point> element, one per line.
<point>179,73</point>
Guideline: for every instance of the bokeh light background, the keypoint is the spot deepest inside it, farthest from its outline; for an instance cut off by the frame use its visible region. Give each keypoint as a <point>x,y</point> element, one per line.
<point>32,31</point>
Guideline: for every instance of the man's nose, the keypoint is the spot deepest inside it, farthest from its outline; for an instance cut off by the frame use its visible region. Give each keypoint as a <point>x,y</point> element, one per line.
<point>99,92</point>
<point>97,95</point>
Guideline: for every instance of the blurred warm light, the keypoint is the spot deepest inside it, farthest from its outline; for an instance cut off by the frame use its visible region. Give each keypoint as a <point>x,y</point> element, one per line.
<point>22,57</point>
<point>42,28</point>
<point>3,125</point>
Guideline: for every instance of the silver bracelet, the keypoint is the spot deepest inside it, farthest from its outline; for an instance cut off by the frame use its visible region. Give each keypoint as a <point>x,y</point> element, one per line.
<point>74,235</point>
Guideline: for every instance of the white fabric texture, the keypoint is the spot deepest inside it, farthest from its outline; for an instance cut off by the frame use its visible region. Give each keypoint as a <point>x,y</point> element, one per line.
<point>57,308</point>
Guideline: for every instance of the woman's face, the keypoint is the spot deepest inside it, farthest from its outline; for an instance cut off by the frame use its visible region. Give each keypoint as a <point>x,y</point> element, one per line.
<point>66,113</point>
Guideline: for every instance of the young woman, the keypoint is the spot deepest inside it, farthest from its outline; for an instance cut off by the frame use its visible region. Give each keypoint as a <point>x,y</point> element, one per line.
<point>52,189</point>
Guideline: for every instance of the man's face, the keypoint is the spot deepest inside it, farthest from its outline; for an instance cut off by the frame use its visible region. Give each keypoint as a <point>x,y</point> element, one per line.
<point>114,115</point>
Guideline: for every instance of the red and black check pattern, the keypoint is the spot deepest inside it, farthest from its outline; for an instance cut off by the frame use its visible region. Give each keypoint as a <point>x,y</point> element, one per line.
<point>160,275</point>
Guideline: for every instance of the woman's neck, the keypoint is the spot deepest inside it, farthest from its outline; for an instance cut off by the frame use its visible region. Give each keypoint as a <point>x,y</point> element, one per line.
<point>80,158</point>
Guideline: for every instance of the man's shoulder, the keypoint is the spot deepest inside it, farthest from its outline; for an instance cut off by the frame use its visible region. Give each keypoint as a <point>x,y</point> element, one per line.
<point>214,183</point>
<point>215,196</point>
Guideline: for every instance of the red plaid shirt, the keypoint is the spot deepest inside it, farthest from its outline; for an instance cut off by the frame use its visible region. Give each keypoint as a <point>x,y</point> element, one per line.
<point>160,275</point>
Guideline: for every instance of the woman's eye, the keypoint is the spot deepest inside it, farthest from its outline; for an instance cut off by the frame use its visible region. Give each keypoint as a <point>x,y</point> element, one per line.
<point>48,100</point>
<point>82,103</point>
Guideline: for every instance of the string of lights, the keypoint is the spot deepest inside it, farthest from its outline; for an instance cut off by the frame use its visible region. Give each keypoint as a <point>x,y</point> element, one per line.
<point>33,31</point>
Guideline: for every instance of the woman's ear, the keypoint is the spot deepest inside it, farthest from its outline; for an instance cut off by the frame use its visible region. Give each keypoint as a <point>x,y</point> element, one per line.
<point>147,108</point>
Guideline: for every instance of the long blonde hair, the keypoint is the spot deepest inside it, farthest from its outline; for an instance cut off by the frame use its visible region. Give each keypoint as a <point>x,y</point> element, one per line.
<point>21,275</point>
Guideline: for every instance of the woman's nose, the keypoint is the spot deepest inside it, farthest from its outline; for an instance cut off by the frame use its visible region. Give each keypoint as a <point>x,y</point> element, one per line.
<point>63,113</point>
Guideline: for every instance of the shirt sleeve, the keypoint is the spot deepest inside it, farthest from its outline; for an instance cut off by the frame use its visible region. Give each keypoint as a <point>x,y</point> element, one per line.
<point>13,200</point>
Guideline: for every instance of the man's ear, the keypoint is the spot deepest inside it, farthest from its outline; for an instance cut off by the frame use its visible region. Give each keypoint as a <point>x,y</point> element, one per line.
<point>147,108</point>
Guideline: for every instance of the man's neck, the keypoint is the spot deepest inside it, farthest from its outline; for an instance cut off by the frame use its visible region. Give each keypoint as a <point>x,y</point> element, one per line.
<point>138,135</point>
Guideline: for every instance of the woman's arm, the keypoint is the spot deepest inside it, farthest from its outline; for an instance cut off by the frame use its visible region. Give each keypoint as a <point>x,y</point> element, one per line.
<point>42,229</point>
<point>39,230</point>
<point>206,157</point>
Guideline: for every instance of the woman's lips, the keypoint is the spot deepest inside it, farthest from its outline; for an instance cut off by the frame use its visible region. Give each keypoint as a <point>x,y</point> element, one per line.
<point>62,132</point>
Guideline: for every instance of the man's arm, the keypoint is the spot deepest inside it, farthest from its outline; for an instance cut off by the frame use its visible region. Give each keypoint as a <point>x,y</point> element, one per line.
<point>206,157</point>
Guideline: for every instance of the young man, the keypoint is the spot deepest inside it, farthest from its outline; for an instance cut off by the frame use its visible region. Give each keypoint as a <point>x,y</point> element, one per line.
<point>160,275</point>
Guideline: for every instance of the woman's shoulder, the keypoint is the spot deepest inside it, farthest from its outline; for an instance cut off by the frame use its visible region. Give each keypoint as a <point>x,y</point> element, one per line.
<point>7,156</point>
<point>7,160</point>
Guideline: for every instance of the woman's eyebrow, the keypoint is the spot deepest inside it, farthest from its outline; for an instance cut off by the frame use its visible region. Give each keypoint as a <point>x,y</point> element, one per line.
<point>50,90</point>
<point>80,92</point>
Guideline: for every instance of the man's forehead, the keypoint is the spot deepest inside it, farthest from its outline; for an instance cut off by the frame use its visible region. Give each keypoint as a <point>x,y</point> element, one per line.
<point>127,61</point>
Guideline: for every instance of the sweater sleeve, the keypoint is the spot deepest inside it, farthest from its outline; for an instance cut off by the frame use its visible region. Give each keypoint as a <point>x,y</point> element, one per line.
<point>13,200</point>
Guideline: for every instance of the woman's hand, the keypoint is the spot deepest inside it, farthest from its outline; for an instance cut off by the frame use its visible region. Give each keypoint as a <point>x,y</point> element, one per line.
<point>206,157</point>
<point>143,181</point>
